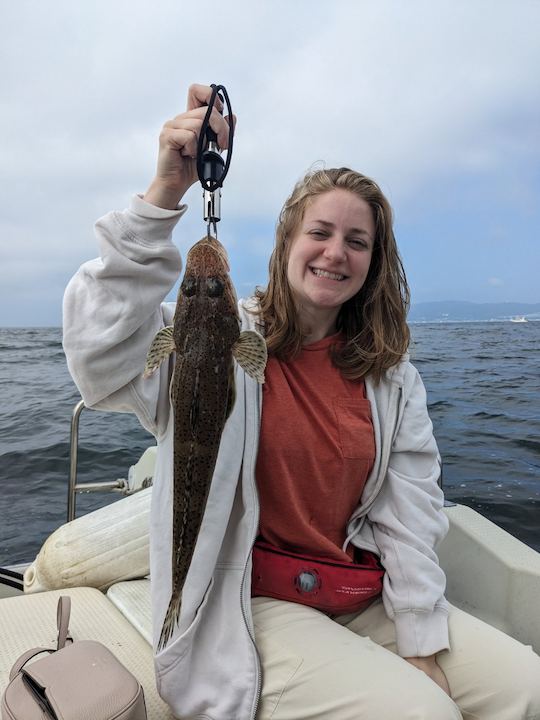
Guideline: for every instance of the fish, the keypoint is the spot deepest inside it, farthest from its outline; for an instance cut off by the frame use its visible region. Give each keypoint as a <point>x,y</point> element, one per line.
<point>206,338</point>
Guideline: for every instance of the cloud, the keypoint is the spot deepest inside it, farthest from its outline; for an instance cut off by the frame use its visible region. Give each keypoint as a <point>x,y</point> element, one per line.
<point>379,86</point>
<point>495,282</point>
<point>419,95</point>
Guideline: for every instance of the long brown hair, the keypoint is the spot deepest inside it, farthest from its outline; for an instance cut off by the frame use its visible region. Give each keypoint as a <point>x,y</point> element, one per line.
<point>374,320</point>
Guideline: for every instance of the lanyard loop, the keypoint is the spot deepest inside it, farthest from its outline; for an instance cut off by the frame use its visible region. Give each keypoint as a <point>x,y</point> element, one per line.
<point>211,168</point>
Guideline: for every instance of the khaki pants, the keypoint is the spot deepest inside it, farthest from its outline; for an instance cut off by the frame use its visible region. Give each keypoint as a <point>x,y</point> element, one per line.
<point>318,668</point>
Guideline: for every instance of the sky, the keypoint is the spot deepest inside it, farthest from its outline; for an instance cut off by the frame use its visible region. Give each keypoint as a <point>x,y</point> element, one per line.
<point>437,100</point>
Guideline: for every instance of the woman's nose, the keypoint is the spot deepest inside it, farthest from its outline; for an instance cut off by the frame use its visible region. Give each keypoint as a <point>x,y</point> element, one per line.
<point>335,249</point>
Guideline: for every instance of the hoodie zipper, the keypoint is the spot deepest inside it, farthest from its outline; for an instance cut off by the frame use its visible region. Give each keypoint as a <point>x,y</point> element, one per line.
<point>248,628</point>
<point>243,601</point>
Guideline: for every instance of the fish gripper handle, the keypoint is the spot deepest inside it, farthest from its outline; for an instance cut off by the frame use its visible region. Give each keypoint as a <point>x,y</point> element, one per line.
<point>211,168</point>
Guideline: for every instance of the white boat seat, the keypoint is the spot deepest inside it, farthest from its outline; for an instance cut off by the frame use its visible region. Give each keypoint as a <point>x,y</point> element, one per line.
<point>132,598</point>
<point>29,621</point>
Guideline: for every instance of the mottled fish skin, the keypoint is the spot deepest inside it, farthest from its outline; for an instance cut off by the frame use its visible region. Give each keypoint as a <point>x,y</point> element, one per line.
<point>206,327</point>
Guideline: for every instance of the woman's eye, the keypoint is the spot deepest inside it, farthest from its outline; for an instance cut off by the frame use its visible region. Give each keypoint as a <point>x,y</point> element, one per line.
<point>358,243</point>
<point>318,233</point>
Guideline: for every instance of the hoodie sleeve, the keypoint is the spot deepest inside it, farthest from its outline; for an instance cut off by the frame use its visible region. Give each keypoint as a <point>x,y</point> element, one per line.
<point>113,307</point>
<point>408,522</point>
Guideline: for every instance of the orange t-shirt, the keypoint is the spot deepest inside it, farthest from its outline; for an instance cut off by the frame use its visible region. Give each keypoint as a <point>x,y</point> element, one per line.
<point>316,450</point>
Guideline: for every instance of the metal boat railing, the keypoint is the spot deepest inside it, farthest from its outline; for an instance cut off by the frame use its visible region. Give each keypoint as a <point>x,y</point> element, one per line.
<point>73,486</point>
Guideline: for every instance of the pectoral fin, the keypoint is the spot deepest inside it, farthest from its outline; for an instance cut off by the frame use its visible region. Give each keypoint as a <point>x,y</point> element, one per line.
<point>162,346</point>
<point>251,354</point>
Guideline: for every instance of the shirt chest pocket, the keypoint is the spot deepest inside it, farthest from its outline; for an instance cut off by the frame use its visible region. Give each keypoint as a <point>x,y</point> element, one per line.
<point>355,429</point>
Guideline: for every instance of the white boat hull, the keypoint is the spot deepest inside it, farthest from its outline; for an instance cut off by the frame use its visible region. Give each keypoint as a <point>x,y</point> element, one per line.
<point>492,574</point>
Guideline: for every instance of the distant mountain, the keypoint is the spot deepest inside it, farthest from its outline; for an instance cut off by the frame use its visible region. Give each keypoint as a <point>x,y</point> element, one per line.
<point>459,311</point>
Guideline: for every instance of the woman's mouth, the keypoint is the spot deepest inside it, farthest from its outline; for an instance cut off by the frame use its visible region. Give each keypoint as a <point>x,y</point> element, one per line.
<point>325,274</point>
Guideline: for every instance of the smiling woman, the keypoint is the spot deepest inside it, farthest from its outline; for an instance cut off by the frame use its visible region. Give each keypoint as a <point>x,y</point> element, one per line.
<point>329,259</point>
<point>338,220</point>
<point>314,584</point>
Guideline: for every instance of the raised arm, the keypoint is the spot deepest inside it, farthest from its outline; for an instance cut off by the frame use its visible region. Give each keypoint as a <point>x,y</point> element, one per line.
<point>112,310</point>
<point>113,305</point>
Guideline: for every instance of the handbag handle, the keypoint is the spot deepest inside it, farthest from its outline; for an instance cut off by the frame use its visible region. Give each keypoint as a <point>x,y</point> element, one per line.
<point>24,658</point>
<point>62,622</point>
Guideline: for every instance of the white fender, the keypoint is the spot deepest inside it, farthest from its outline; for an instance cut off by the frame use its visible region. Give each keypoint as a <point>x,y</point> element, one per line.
<point>95,550</point>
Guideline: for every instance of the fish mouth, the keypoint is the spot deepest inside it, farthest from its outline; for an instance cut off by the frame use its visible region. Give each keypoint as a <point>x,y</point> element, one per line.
<point>220,250</point>
<point>319,272</point>
<point>209,246</point>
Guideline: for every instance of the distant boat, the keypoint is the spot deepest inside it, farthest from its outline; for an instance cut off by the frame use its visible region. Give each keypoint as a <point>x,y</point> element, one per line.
<point>518,318</point>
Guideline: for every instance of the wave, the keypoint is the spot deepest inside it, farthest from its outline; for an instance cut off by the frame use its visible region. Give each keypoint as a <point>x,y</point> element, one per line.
<point>528,444</point>
<point>483,415</point>
<point>440,404</point>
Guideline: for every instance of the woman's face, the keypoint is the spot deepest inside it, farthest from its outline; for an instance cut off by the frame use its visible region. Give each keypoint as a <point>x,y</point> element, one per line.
<point>330,253</point>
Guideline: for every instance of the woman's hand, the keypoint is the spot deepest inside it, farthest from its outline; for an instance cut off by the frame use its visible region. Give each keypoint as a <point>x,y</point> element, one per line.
<point>432,670</point>
<point>177,164</point>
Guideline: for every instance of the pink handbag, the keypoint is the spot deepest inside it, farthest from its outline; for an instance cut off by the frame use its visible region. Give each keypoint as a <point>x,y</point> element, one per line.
<point>79,681</point>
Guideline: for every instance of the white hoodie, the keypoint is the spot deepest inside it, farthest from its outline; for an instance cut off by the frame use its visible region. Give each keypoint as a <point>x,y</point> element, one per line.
<point>210,669</point>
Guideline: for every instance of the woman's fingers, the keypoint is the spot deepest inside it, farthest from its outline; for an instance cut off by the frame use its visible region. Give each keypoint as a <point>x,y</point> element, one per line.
<point>431,667</point>
<point>193,120</point>
<point>199,95</point>
<point>182,139</point>
<point>178,143</point>
<point>228,121</point>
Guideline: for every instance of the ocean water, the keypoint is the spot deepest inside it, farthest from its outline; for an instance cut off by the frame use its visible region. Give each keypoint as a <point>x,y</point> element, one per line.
<point>483,385</point>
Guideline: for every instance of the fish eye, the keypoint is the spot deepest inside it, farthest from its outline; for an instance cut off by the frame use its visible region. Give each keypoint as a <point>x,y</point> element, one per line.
<point>189,286</point>
<point>214,287</point>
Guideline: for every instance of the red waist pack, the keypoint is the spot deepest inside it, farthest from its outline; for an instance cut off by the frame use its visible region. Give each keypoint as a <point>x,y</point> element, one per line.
<point>333,587</point>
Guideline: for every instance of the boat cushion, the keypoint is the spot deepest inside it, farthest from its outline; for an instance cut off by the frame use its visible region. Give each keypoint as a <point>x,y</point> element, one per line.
<point>132,598</point>
<point>28,621</point>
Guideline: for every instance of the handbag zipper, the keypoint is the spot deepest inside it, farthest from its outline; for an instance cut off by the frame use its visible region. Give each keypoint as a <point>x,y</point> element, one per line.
<point>39,696</point>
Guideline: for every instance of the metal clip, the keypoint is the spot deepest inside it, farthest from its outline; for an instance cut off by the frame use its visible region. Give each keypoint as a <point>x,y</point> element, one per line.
<point>213,167</point>
<point>212,208</point>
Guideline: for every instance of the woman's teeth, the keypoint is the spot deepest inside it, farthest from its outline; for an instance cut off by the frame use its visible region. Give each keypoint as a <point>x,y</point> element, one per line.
<point>325,274</point>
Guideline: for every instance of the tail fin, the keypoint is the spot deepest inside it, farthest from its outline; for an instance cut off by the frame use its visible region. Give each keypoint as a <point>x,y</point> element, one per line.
<point>171,621</point>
